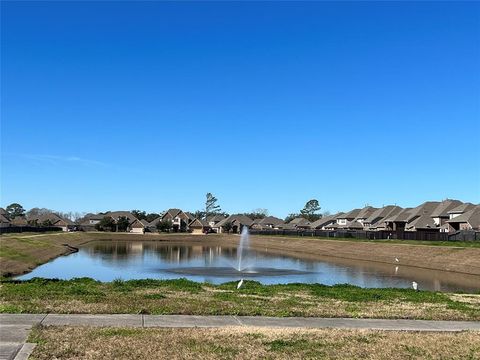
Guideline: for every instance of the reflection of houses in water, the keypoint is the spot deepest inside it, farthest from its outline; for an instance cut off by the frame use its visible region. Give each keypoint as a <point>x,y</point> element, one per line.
<point>137,247</point>
<point>115,251</point>
<point>179,253</point>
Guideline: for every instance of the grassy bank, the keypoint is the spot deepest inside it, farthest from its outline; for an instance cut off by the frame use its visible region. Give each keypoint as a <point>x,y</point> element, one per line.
<point>187,297</point>
<point>463,244</point>
<point>251,343</point>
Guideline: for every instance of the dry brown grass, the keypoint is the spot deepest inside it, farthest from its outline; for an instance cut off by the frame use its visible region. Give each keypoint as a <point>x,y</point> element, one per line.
<point>250,343</point>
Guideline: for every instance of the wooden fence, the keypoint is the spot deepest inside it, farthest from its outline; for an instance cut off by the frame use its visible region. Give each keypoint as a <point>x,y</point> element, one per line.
<point>372,235</point>
<point>21,229</point>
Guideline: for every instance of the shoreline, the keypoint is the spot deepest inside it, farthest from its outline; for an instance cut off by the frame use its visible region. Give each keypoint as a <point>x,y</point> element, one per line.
<point>47,247</point>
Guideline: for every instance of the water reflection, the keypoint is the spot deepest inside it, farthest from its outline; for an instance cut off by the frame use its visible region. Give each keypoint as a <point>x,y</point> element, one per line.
<point>108,260</point>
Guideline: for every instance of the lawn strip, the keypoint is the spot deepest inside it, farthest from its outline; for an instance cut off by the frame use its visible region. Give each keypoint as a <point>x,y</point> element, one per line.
<point>167,297</point>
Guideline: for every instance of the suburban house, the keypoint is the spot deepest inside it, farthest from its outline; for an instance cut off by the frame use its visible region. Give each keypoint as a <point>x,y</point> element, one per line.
<point>440,214</point>
<point>116,215</point>
<point>376,220</point>
<point>398,219</point>
<point>357,222</point>
<point>237,222</point>
<point>51,219</point>
<point>4,220</point>
<point>215,219</point>
<point>432,216</point>
<point>470,220</point>
<point>269,222</point>
<point>92,219</point>
<point>415,218</point>
<point>325,221</point>
<point>179,219</point>
<point>346,218</point>
<point>364,214</point>
<point>297,223</point>
<point>138,226</point>
<point>199,226</point>
<point>459,210</point>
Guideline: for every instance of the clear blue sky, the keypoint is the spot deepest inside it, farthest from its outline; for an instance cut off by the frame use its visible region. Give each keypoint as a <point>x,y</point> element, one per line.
<point>149,105</point>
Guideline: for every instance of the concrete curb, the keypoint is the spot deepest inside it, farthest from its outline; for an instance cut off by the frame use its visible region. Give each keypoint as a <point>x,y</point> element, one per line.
<point>182,321</point>
<point>25,351</point>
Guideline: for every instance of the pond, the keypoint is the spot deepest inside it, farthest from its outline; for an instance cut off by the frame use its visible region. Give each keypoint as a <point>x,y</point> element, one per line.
<point>110,260</point>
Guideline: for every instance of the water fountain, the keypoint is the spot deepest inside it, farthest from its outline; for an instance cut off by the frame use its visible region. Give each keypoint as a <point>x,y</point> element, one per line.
<point>243,267</point>
<point>242,247</point>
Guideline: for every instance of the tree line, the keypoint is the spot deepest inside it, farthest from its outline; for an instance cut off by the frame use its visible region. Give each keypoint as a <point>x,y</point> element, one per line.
<point>310,212</point>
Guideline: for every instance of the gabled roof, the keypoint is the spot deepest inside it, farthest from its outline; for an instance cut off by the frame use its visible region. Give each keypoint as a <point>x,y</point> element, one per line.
<point>144,222</point>
<point>198,222</point>
<point>189,215</point>
<point>117,214</point>
<point>3,212</point>
<point>383,213</point>
<point>410,214</point>
<point>216,218</point>
<point>353,225</point>
<point>4,219</point>
<point>426,208</point>
<point>444,207</point>
<point>270,220</point>
<point>154,222</point>
<point>173,212</point>
<point>472,217</point>
<point>53,218</point>
<point>365,212</point>
<point>288,226</point>
<point>422,222</point>
<point>350,215</point>
<point>94,216</point>
<point>403,215</point>
<point>240,219</point>
<point>299,221</point>
<point>138,224</point>
<point>460,209</point>
<point>324,221</point>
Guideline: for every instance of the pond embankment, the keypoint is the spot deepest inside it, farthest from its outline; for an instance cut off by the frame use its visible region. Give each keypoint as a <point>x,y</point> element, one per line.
<point>20,253</point>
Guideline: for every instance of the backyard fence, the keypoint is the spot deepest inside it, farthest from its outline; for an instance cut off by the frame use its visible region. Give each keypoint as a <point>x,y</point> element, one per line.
<point>372,235</point>
<point>20,229</point>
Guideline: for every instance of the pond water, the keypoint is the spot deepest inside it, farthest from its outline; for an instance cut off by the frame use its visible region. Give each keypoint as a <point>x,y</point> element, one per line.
<point>109,260</point>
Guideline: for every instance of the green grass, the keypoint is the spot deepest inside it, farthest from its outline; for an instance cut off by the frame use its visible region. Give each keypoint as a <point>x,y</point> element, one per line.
<point>12,254</point>
<point>85,295</point>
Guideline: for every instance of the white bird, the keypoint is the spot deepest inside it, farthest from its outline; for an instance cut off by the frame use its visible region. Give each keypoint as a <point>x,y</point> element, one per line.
<point>396,260</point>
<point>240,283</point>
<point>414,285</point>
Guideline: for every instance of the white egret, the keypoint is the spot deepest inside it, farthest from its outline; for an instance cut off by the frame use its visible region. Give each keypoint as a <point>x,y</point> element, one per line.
<point>396,260</point>
<point>240,283</point>
<point>414,285</point>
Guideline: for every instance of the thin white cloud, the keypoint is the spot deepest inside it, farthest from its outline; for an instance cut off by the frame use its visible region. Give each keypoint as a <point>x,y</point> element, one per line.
<point>56,159</point>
